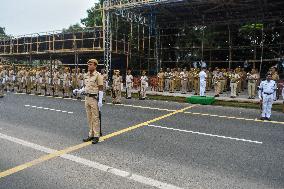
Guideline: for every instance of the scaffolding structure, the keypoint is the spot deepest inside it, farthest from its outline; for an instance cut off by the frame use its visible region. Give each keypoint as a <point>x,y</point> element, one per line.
<point>151,34</point>
<point>54,42</point>
<point>166,23</point>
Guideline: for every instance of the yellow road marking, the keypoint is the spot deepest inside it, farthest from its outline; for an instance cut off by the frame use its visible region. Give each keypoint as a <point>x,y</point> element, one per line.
<point>82,145</point>
<point>238,118</point>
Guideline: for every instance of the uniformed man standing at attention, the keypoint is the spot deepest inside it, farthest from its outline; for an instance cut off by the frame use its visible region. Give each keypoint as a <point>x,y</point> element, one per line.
<point>116,85</point>
<point>161,80</point>
<point>94,99</point>
<point>266,93</point>
<point>144,85</point>
<point>129,84</point>
<point>1,82</point>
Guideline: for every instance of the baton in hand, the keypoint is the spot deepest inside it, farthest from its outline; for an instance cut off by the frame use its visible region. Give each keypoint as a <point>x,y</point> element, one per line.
<point>100,118</point>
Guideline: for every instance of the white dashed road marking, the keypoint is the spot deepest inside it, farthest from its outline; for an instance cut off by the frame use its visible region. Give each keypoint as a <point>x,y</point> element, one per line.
<point>46,108</point>
<point>206,134</point>
<point>105,168</point>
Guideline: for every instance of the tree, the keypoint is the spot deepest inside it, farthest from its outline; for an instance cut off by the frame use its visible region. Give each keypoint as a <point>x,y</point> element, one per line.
<point>94,17</point>
<point>73,28</point>
<point>2,32</point>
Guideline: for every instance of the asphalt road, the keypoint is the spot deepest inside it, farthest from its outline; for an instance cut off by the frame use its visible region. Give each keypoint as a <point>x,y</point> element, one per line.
<point>165,145</point>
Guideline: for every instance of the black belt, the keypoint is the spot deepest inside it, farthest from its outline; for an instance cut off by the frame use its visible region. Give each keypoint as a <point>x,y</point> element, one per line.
<point>268,93</point>
<point>92,95</point>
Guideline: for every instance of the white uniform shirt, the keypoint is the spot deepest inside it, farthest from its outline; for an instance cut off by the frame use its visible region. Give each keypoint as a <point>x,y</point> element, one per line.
<point>144,80</point>
<point>266,87</point>
<point>129,78</point>
<point>202,75</point>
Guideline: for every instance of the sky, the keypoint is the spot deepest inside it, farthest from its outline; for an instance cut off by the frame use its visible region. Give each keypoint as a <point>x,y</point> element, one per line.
<point>34,16</point>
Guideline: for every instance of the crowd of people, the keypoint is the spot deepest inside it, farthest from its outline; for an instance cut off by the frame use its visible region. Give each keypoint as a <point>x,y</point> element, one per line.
<point>62,81</point>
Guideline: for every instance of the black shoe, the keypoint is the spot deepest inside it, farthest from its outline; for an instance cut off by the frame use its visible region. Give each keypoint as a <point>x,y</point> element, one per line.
<point>268,119</point>
<point>262,118</point>
<point>88,139</point>
<point>95,140</point>
<point>1,96</point>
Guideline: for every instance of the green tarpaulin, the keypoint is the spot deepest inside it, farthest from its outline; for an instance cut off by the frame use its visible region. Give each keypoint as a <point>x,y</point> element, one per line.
<point>200,100</point>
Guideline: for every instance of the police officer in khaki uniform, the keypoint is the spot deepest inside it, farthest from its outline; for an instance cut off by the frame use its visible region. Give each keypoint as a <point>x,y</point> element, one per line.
<point>94,97</point>
<point>217,83</point>
<point>66,82</point>
<point>167,79</point>
<point>178,79</point>
<point>1,82</point>
<point>184,78</point>
<point>116,85</point>
<point>56,82</point>
<point>190,80</point>
<point>172,81</point>
<point>234,79</point>
<point>252,81</point>
<point>196,81</point>
<point>161,80</point>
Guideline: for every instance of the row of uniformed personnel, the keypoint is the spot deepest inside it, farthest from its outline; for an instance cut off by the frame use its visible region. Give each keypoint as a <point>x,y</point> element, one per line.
<point>41,80</point>
<point>221,80</point>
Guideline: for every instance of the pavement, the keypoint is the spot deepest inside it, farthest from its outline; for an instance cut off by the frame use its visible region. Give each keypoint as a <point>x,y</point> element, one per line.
<point>145,144</point>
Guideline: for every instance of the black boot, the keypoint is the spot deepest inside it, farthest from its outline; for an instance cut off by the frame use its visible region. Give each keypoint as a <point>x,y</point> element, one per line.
<point>88,139</point>
<point>95,140</point>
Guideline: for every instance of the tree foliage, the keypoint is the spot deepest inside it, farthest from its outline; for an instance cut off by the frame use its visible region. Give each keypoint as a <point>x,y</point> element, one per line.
<point>2,32</point>
<point>73,28</point>
<point>94,17</point>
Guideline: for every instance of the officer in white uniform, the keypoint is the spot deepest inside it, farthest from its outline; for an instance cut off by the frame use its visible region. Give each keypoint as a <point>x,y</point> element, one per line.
<point>129,84</point>
<point>202,79</point>
<point>144,85</point>
<point>266,91</point>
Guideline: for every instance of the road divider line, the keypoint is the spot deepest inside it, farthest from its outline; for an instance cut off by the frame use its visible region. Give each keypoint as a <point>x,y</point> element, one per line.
<point>206,134</point>
<point>193,113</point>
<point>82,145</point>
<point>105,168</point>
<point>46,108</point>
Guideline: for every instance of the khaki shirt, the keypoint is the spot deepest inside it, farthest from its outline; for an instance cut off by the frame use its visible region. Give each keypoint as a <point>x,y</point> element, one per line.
<point>92,82</point>
<point>117,80</point>
<point>275,77</point>
<point>161,75</point>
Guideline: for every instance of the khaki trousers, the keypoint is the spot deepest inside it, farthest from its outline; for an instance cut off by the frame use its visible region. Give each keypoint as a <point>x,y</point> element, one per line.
<point>233,89</point>
<point>217,88</point>
<point>183,86</point>
<point>196,86</point>
<point>117,96</point>
<point>251,89</point>
<point>172,86</point>
<point>161,85</point>
<point>189,85</point>
<point>92,110</point>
